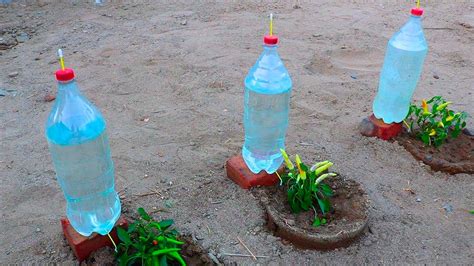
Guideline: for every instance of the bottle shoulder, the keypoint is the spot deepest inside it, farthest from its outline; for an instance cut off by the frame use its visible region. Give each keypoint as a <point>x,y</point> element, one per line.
<point>410,37</point>
<point>73,120</point>
<point>269,75</point>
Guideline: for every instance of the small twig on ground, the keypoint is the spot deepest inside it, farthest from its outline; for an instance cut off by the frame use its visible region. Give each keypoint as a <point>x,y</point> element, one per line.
<point>306,144</point>
<point>242,255</point>
<point>152,192</point>
<point>171,187</point>
<point>124,139</point>
<point>34,94</point>
<point>217,202</point>
<point>208,229</point>
<point>409,189</point>
<point>243,244</point>
<point>438,28</point>
<point>159,210</point>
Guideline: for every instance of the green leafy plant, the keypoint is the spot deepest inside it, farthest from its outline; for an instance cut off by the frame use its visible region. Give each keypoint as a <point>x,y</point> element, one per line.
<point>305,187</point>
<point>435,126</point>
<point>148,242</point>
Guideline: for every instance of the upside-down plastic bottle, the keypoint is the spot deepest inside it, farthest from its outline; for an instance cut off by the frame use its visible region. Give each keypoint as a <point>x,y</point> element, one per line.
<point>266,109</point>
<point>403,63</point>
<point>80,151</point>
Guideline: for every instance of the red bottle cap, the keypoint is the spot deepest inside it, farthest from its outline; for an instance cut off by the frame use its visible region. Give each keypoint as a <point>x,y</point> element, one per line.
<point>416,11</point>
<point>65,75</point>
<point>270,39</point>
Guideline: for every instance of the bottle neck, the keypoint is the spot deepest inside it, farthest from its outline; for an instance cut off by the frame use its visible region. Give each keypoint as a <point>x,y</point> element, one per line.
<point>268,48</point>
<point>416,19</point>
<point>67,86</point>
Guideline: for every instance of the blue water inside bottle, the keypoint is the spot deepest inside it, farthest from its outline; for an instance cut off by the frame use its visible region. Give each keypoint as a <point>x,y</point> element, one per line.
<point>77,138</point>
<point>266,110</point>
<point>403,63</point>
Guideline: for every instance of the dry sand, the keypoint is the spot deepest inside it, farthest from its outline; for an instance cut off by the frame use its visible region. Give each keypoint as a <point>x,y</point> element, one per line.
<point>182,64</point>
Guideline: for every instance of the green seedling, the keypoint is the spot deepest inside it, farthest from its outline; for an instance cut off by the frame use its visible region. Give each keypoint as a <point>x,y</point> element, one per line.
<point>435,122</point>
<point>148,242</point>
<point>306,189</point>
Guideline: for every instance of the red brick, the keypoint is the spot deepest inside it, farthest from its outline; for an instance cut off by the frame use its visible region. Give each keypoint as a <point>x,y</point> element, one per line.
<point>238,172</point>
<point>83,246</point>
<point>373,127</point>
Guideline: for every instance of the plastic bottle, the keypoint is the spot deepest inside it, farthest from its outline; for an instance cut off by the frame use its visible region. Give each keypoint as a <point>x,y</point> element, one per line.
<point>406,52</point>
<point>266,110</point>
<point>80,151</point>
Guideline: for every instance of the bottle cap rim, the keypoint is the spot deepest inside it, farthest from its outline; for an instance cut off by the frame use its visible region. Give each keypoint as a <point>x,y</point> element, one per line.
<point>270,39</point>
<point>66,74</point>
<point>416,11</point>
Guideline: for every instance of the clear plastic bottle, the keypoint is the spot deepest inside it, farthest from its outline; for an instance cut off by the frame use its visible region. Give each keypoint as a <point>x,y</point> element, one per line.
<point>266,110</point>
<point>403,63</point>
<point>80,151</point>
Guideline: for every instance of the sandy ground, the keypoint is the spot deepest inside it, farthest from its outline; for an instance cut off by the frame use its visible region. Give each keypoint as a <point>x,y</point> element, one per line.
<point>168,78</point>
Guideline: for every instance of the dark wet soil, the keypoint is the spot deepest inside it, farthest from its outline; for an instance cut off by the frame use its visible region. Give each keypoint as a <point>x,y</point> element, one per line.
<point>453,157</point>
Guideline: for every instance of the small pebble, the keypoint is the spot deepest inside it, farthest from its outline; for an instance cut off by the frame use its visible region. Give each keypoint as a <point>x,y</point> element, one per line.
<point>213,258</point>
<point>448,208</point>
<point>38,230</point>
<point>13,74</point>
<point>418,200</point>
<point>49,97</point>
<point>435,76</point>
<point>22,37</point>
<point>184,22</point>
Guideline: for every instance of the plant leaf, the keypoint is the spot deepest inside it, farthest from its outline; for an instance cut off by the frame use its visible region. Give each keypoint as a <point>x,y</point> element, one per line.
<point>166,223</point>
<point>178,258</point>
<point>132,227</point>
<point>163,261</point>
<point>144,214</point>
<point>425,138</point>
<point>316,222</point>
<point>123,236</point>
<point>164,251</point>
<point>326,190</point>
<point>324,205</point>
<point>155,261</point>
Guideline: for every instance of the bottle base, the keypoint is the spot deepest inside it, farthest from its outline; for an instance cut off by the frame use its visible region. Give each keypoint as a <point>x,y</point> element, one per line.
<point>95,221</point>
<point>256,163</point>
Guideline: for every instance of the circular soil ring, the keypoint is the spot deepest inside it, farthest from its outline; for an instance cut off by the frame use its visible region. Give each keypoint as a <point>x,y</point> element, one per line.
<point>453,157</point>
<point>345,224</point>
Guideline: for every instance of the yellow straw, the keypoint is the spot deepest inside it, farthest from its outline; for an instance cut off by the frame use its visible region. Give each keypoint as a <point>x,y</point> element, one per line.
<point>61,59</point>
<point>417,3</point>
<point>113,242</point>
<point>271,24</point>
